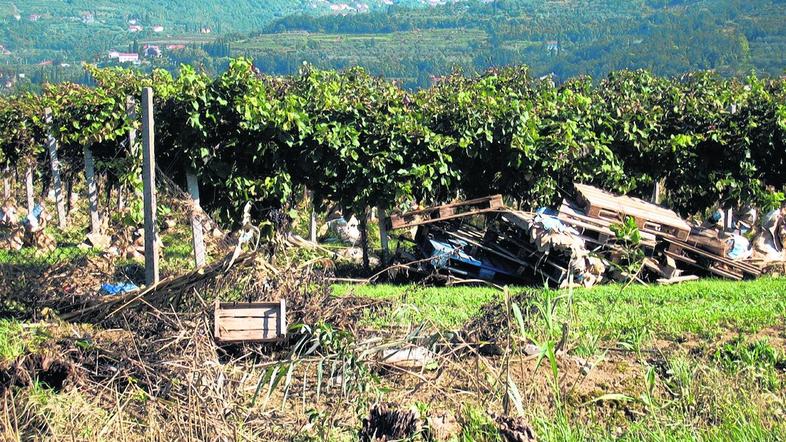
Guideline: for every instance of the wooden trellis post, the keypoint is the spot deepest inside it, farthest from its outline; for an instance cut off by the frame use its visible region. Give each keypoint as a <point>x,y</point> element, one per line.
<point>92,190</point>
<point>149,188</point>
<point>197,234</point>
<point>29,189</point>
<point>55,164</point>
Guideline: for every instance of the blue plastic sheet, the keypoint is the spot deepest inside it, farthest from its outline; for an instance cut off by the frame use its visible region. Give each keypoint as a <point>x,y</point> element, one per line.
<point>119,288</point>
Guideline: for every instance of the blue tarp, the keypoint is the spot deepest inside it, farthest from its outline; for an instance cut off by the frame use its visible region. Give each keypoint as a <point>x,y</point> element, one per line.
<point>119,288</point>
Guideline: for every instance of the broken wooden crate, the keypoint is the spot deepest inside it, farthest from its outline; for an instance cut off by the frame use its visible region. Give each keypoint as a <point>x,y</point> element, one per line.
<point>250,322</point>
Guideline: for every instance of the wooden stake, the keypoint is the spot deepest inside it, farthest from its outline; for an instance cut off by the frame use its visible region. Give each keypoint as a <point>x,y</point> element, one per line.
<point>55,164</point>
<point>29,188</point>
<point>383,233</point>
<point>92,190</point>
<point>197,234</point>
<point>149,188</point>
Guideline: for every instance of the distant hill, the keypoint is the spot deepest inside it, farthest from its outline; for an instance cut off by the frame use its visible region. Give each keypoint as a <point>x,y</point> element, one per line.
<point>38,30</point>
<point>413,41</point>
<point>565,38</point>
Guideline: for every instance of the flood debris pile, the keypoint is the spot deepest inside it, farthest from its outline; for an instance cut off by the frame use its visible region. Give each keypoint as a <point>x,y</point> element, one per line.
<point>593,237</point>
<point>18,231</point>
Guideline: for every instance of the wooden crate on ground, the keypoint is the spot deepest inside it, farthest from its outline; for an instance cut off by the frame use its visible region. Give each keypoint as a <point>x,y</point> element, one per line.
<point>446,212</point>
<point>250,322</point>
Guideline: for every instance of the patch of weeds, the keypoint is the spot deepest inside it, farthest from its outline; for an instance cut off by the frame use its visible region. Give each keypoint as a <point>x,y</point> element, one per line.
<point>477,426</point>
<point>759,357</point>
<point>15,341</point>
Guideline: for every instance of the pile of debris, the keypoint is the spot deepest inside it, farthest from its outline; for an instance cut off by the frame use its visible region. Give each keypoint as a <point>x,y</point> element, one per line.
<point>577,245</point>
<point>29,231</point>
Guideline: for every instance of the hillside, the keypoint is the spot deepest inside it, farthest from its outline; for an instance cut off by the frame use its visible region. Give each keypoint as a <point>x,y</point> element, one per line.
<point>401,39</point>
<point>74,30</point>
<point>565,38</point>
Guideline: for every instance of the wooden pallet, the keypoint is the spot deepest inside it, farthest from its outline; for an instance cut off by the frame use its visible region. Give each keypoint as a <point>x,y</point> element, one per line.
<point>250,322</point>
<point>595,230</point>
<point>649,217</point>
<point>719,265</point>
<point>446,212</point>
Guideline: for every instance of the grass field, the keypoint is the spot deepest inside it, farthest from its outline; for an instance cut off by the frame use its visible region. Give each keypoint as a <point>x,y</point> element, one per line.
<point>698,361</point>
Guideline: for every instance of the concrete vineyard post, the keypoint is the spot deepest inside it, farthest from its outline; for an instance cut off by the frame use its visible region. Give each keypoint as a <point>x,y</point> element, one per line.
<point>383,233</point>
<point>149,188</point>
<point>55,164</point>
<point>312,226</point>
<point>656,190</point>
<point>92,190</point>
<point>29,189</point>
<point>6,183</point>
<point>197,234</point>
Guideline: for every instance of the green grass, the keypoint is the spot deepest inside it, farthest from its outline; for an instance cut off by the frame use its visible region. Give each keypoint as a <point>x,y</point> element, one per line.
<point>446,307</point>
<point>17,340</point>
<point>633,316</point>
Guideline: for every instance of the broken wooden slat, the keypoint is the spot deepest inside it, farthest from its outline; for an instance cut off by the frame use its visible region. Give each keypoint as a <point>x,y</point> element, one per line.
<point>677,279</point>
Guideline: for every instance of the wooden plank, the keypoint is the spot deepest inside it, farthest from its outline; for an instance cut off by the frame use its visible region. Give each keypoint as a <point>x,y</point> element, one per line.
<point>29,189</point>
<point>256,312</point>
<point>92,190</point>
<point>677,280</point>
<point>400,224</point>
<point>149,188</point>
<point>248,336</point>
<point>255,323</point>
<point>51,144</point>
<point>197,233</point>
<point>446,212</point>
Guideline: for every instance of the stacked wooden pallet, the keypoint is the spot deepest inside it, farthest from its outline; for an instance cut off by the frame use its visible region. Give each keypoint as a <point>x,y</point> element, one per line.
<point>508,244</point>
<point>446,212</point>
<point>693,248</point>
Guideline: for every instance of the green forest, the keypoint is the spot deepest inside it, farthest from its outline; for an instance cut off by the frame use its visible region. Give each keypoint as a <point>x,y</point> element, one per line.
<point>407,42</point>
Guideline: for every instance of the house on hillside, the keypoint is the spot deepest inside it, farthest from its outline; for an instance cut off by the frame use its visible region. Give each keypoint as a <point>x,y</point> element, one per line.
<point>152,51</point>
<point>206,30</point>
<point>158,28</point>
<point>34,17</point>
<point>45,63</point>
<point>88,18</point>
<point>124,57</point>
<point>4,51</point>
<point>135,28</point>
<point>176,47</point>
<point>552,46</point>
